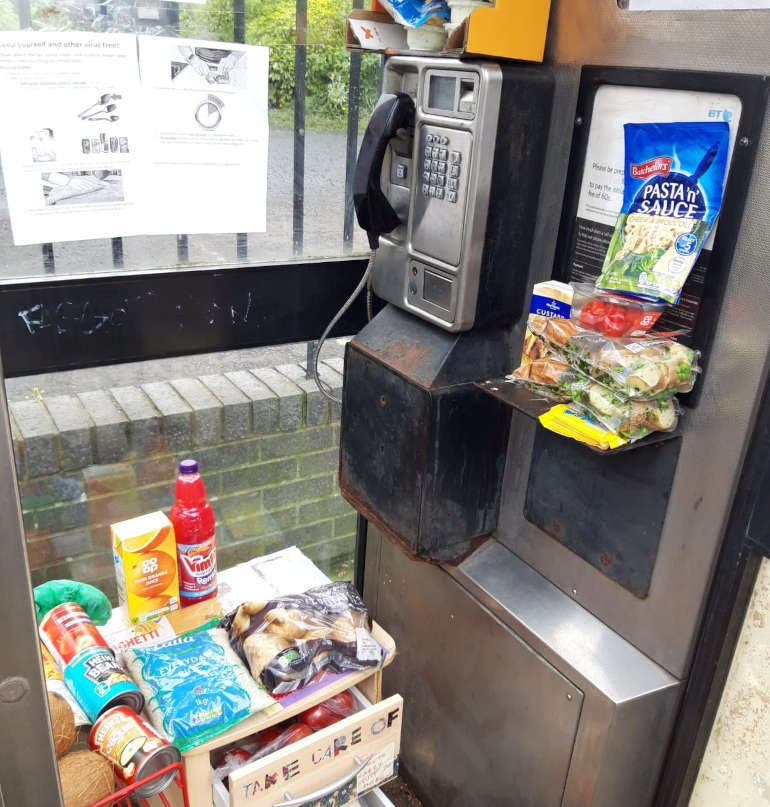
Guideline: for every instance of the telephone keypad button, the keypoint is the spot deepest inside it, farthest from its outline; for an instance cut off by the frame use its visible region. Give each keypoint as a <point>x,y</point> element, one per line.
<point>432,190</point>
<point>400,171</point>
<point>442,153</point>
<point>439,193</point>
<point>425,189</point>
<point>454,157</point>
<point>433,179</point>
<point>443,140</point>
<point>441,181</point>
<point>452,184</point>
<point>451,196</point>
<point>428,151</point>
<point>434,165</point>
<point>429,138</point>
<point>434,154</point>
<point>454,171</point>
<point>441,167</point>
<point>426,176</point>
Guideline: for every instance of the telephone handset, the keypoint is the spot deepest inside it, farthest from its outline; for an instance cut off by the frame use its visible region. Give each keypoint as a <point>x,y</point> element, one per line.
<point>375,214</point>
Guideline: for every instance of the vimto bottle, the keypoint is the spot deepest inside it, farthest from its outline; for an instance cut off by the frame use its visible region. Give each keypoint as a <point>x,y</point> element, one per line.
<point>195,531</point>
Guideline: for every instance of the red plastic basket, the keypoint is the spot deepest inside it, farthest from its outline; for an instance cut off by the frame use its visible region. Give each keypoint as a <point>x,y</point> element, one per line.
<point>122,798</point>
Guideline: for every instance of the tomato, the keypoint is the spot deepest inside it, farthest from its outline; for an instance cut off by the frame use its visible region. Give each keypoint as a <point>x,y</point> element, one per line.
<point>615,322</point>
<point>330,711</point>
<point>592,314</point>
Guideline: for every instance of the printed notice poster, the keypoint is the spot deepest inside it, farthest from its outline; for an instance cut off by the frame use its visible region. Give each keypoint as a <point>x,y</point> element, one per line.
<point>110,135</point>
<point>601,191</point>
<point>205,114</point>
<point>70,135</point>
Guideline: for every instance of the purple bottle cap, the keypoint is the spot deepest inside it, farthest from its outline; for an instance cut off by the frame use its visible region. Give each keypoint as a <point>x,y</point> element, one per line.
<point>188,467</point>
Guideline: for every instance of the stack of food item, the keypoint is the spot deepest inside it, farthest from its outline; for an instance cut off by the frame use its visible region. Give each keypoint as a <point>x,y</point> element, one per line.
<point>591,351</point>
<point>589,346</point>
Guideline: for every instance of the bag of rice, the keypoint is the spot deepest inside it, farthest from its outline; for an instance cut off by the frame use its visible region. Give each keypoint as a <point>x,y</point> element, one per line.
<point>195,686</point>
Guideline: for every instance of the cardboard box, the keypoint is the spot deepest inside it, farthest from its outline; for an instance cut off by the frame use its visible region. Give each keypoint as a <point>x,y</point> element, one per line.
<point>144,551</point>
<point>511,29</point>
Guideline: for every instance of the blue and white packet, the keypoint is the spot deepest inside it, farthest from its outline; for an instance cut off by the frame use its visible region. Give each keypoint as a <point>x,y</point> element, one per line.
<point>413,13</point>
<point>674,180</point>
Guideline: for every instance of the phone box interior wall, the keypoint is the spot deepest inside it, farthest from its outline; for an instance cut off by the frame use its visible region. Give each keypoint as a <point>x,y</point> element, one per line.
<point>716,424</point>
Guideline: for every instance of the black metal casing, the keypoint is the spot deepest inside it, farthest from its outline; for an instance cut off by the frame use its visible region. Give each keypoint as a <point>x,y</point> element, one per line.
<point>422,449</point>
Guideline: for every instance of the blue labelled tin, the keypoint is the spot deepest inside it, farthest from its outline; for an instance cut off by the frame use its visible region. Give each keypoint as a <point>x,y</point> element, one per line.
<point>98,683</point>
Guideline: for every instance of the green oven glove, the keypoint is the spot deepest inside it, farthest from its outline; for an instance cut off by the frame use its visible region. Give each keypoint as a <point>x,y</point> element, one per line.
<point>93,601</point>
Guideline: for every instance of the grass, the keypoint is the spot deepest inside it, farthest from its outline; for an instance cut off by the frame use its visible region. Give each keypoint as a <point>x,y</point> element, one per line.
<point>314,121</point>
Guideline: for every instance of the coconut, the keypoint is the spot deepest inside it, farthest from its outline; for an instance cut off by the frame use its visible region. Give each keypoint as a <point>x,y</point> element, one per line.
<point>86,777</point>
<point>62,724</point>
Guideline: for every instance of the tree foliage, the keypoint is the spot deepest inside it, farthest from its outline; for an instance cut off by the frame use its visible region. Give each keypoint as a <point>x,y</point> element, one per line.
<point>273,23</point>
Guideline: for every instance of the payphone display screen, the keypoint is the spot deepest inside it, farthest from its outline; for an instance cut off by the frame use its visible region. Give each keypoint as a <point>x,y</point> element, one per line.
<point>441,93</point>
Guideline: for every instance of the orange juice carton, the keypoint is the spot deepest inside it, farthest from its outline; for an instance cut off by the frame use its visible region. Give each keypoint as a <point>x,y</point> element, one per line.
<point>144,551</point>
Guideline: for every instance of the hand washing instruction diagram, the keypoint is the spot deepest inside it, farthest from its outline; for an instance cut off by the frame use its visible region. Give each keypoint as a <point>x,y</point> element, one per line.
<point>115,134</point>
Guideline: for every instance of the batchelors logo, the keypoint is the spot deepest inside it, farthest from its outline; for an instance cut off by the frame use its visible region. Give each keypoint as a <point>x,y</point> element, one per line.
<point>657,165</point>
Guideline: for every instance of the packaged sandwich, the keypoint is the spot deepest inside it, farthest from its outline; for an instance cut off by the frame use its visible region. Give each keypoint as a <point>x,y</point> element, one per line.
<point>631,420</point>
<point>645,368</point>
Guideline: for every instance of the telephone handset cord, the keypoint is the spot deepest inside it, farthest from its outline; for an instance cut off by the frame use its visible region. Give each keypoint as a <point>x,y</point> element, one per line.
<point>322,385</point>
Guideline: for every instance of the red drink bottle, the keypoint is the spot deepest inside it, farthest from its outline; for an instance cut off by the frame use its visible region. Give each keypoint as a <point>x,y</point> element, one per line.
<point>195,531</point>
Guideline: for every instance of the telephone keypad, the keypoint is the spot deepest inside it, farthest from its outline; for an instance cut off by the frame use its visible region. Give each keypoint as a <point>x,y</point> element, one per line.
<point>441,169</point>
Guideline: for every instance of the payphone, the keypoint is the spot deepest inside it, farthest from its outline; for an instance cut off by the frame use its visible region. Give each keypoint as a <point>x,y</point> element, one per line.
<point>447,186</point>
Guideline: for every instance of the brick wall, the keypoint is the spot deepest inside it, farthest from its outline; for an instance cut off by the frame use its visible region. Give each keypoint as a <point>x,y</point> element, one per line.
<point>266,440</point>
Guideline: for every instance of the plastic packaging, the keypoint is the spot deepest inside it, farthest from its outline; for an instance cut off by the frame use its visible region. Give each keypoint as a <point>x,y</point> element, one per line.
<point>672,193</point>
<point>264,744</point>
<point>570,421</point>
<point>611,314</point>
<point>413,13</point>
<point>631,420</point>
<point>196,687</point>
<point>286,642</point>
<point>195,531</point>
<point>646,368</point>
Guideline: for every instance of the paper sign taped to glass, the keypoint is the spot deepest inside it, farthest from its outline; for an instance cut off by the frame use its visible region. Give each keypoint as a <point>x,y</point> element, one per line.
<point>113,135</point>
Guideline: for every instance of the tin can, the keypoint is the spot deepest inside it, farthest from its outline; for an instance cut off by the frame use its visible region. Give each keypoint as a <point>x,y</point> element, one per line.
<point>134,748</point>
<point>67,631</point>
<point>98,683</point>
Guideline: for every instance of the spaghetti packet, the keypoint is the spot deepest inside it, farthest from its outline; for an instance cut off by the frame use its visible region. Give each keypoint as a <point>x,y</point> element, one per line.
<point>672,193</point>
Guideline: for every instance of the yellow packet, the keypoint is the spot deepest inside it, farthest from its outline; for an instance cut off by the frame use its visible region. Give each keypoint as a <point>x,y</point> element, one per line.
<point>564,420</point>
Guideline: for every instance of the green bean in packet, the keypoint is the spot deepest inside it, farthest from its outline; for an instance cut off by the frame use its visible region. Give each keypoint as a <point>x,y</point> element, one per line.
<point>674,179</point>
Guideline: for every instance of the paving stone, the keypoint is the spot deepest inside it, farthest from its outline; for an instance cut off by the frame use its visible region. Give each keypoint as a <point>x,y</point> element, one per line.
<point>177,415</point>
<point>317,405</point>
<point>111,425</point>
<point>145,432</point>
<point>291,399</point>
<point>264,402</point>
<point>40,436</point>
<point>206,410</point>
<point>236,410</point>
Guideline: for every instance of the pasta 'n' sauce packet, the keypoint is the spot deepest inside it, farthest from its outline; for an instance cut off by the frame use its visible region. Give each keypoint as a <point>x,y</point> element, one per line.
<point>674,178</point>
